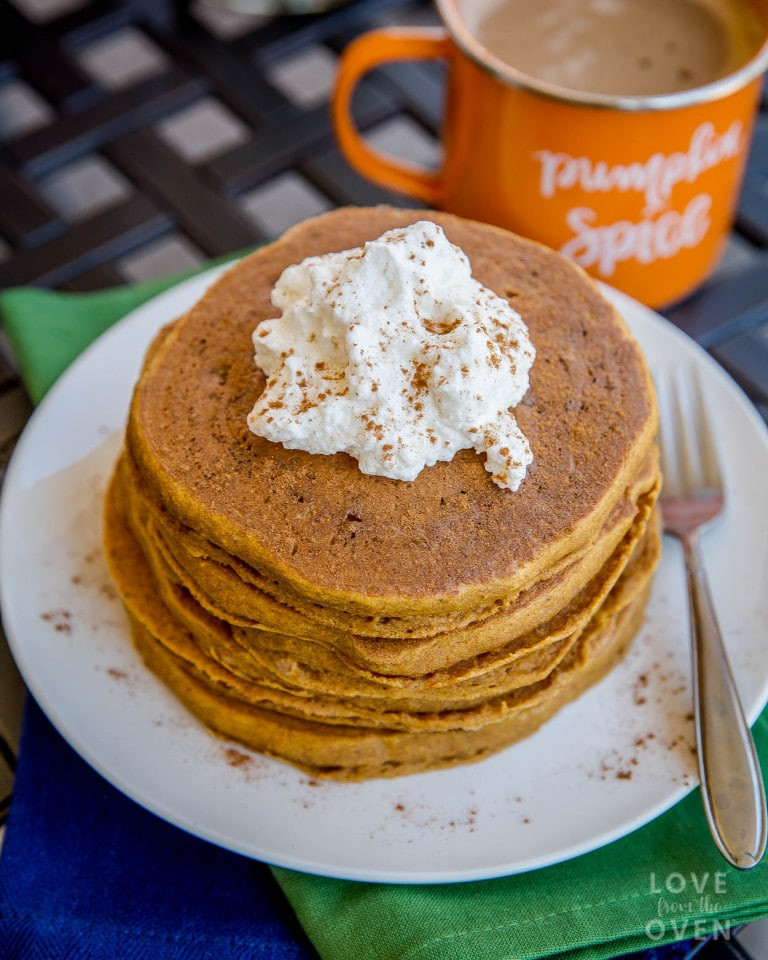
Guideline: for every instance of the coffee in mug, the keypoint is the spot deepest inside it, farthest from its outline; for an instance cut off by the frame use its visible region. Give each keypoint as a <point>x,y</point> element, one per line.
<point>615,131</point>
<point>632,48</point>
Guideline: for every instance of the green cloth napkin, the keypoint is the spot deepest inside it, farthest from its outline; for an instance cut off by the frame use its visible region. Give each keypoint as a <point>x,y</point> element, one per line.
<point>662,883</point>
<point>48,330</point>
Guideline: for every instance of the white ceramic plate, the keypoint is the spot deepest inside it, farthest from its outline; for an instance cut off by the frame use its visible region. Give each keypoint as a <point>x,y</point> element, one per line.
<point>621,754</point>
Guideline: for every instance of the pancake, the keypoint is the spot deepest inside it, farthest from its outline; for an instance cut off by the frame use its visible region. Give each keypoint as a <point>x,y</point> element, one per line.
<point>502,636</point>
<point>238,708</point>
<point>232,589</point>
<point>321,670</point>
<point>344,752</point>
<point>356,625</point>
<point>367,544</point>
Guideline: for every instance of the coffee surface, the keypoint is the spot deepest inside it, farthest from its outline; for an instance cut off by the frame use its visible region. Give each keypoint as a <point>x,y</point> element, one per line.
<point>621,47</point>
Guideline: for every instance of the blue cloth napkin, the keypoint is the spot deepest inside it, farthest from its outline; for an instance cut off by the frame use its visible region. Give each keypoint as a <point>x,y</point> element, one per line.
<point>87,874</point>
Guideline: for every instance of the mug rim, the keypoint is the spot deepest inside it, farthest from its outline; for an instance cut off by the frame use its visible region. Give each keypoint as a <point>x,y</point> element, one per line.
<point>512,77</point>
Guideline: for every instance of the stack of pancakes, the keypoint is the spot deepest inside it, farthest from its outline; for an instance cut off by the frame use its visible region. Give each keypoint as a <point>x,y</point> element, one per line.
<point>360,626</point>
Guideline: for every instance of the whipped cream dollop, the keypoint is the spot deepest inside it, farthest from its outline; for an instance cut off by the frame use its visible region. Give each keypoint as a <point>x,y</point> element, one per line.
<point>394,354</point>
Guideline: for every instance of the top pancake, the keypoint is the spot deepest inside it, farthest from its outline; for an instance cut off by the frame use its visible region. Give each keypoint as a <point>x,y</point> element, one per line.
<point>447,541</point>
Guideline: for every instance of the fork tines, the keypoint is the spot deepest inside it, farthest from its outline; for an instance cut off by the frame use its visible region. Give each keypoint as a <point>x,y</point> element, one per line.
<point>689,459</point>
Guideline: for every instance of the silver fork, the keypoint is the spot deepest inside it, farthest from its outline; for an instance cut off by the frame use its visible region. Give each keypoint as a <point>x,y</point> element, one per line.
<point>692,499</point>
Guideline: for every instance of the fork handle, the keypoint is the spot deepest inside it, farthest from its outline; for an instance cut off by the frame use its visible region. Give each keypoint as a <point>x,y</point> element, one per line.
<point>731,783</point>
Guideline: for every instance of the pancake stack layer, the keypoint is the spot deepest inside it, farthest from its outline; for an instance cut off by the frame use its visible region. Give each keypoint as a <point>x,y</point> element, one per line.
<point>359,626</point>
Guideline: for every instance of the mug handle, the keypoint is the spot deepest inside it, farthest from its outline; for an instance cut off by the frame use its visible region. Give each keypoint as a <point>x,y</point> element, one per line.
<point>362,55</point>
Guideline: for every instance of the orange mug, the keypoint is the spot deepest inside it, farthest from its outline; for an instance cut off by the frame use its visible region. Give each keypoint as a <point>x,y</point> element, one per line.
<point>639,190</point>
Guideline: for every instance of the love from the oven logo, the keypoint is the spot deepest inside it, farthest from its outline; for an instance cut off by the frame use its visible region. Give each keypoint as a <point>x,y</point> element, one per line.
<point>687,905</point>
<point>662,232</point>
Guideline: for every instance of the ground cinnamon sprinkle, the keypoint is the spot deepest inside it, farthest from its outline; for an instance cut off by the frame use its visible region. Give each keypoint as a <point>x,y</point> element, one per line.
<point>60,620</point>
<point>420,379</point>
<point>236,759</point>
